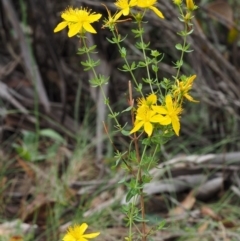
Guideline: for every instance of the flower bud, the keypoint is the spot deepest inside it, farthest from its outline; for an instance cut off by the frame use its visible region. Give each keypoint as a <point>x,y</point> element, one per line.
<point>190,5</point>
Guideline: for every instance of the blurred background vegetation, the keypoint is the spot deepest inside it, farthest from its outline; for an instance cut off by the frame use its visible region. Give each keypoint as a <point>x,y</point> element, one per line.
<point>55,158</point>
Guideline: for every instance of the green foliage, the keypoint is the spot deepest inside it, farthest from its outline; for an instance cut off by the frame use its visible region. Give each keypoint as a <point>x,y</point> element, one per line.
<point>29,148</point>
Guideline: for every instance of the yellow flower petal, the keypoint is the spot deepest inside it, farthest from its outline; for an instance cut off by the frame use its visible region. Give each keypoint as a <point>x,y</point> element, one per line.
<point>169,103</point>
<point>83,228</point>
<point>69,17</point>
<point>60,26</point>
<point>190,98</point>
<point>152,99</point>
<point>88,27</point>
<point>94,17</point>
<point>158,12</point>
<point>148,128</point>
<point>118,15</point>
<point>166,120</point>
<point>68,237</point>
<point>156,118</point>
<point>137,127</point>
<point>160,109</point>
<point>126,11</point>
<point>81,239</point>
<point>162,120</point>
<point>176,125</point>
<point>91,235</point>
<point>192,78</point>
<point>74,29</point>
<point>133,3</point>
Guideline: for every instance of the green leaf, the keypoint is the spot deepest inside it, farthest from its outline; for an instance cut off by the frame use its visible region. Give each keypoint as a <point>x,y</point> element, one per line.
<point>52,135</point>
<point>128,109</point>
<point>142,64</point>
<point>155,53</point>
<point>125,68</point>
<point>22,152</point>
<point>125,133</point>
<point>179,47</point>
<point>133,65</point>
<point>161,224</point>
<point>139,87</point>
<point>92,48</point>
<point>123,180</point>
<point>130,194</point>
<point>178,64</point>
<point>140,219</point>
<point>123,52</point>
<point>155,68</point>
<point>29,137</point>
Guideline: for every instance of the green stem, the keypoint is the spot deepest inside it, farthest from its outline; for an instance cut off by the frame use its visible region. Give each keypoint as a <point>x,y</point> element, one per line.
<point>140,182</point>
<point>184,45</point>
<point>126,62</point>
<point>77,104</point>
<point>142,204</point>
<point>95,75</point>
<point>145,58</point>
<point>152,158</point>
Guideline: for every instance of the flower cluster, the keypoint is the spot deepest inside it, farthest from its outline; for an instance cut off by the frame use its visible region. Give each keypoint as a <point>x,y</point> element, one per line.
<point>149,115</point>
<point>79,20</point>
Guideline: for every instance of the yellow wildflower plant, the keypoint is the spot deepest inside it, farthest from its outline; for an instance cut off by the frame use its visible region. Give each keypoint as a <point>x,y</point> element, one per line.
<point>76,233</point>
<point>124,6</point>
<point>78,21</point>
<point>171,111</point>
<point>183,87</point>
<point>149,4</point>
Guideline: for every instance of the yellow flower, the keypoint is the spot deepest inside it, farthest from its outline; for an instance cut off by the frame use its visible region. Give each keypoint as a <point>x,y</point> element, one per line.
<point>149,101</point>
<point>190,5</point>
<point>78,21</point>
<point>144,118</point>
<point>171,111</point>
<point>124,6</point>
<point>76,233</point>
<point>150,4</point>
<point>183,87</point>
<point>112,20</point>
